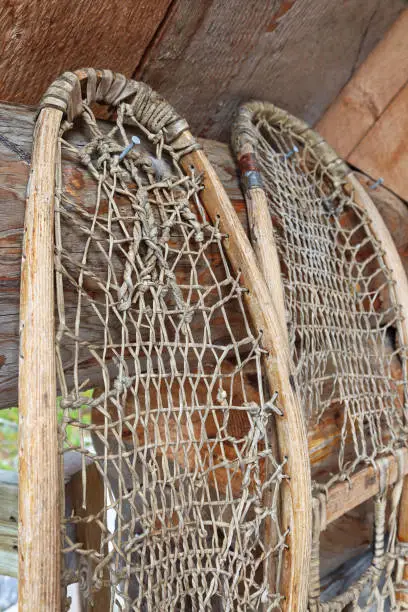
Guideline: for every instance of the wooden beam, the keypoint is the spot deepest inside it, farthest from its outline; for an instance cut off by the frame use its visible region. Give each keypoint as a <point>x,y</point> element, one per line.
<point>71,35</point>
<point>296,53</point>
<point>366,96</point>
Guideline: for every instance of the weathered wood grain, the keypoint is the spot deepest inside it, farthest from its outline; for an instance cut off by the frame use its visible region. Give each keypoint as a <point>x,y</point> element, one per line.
<point>39,500</point>
<point>366,96</point>
<point>297,54</point>
<point>203,57</point>
<point>42,39</point>
<point>365,484</point>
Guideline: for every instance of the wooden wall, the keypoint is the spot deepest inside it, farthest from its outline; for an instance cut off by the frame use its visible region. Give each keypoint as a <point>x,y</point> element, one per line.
<point>367,124</point>
<point>205,56</point>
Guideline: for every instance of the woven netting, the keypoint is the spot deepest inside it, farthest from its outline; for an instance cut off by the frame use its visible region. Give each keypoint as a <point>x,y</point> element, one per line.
<point>344,327</point>
<point>150,310</point>
<point>343,319</point>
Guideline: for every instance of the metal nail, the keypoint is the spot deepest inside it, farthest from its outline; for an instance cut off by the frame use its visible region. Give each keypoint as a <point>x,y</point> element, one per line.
<point>129,147</point>
<point>377,183</point>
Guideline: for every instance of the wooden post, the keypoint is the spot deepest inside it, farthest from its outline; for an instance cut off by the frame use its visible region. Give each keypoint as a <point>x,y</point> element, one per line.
<point>39,503</point>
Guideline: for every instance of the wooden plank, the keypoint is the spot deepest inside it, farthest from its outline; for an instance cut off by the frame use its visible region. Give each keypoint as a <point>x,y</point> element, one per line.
<point>8,523</point>
<point>384,150</point>
<point>298,54</point>
<point>344,496</point>
<point>366,96</point>
<point>89,533</point>
<point>42,39</point>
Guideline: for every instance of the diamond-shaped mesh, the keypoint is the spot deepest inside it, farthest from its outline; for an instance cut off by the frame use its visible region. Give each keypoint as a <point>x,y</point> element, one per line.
<point>342,316</point>
<point>176,425</point>
<point>344,323</point>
